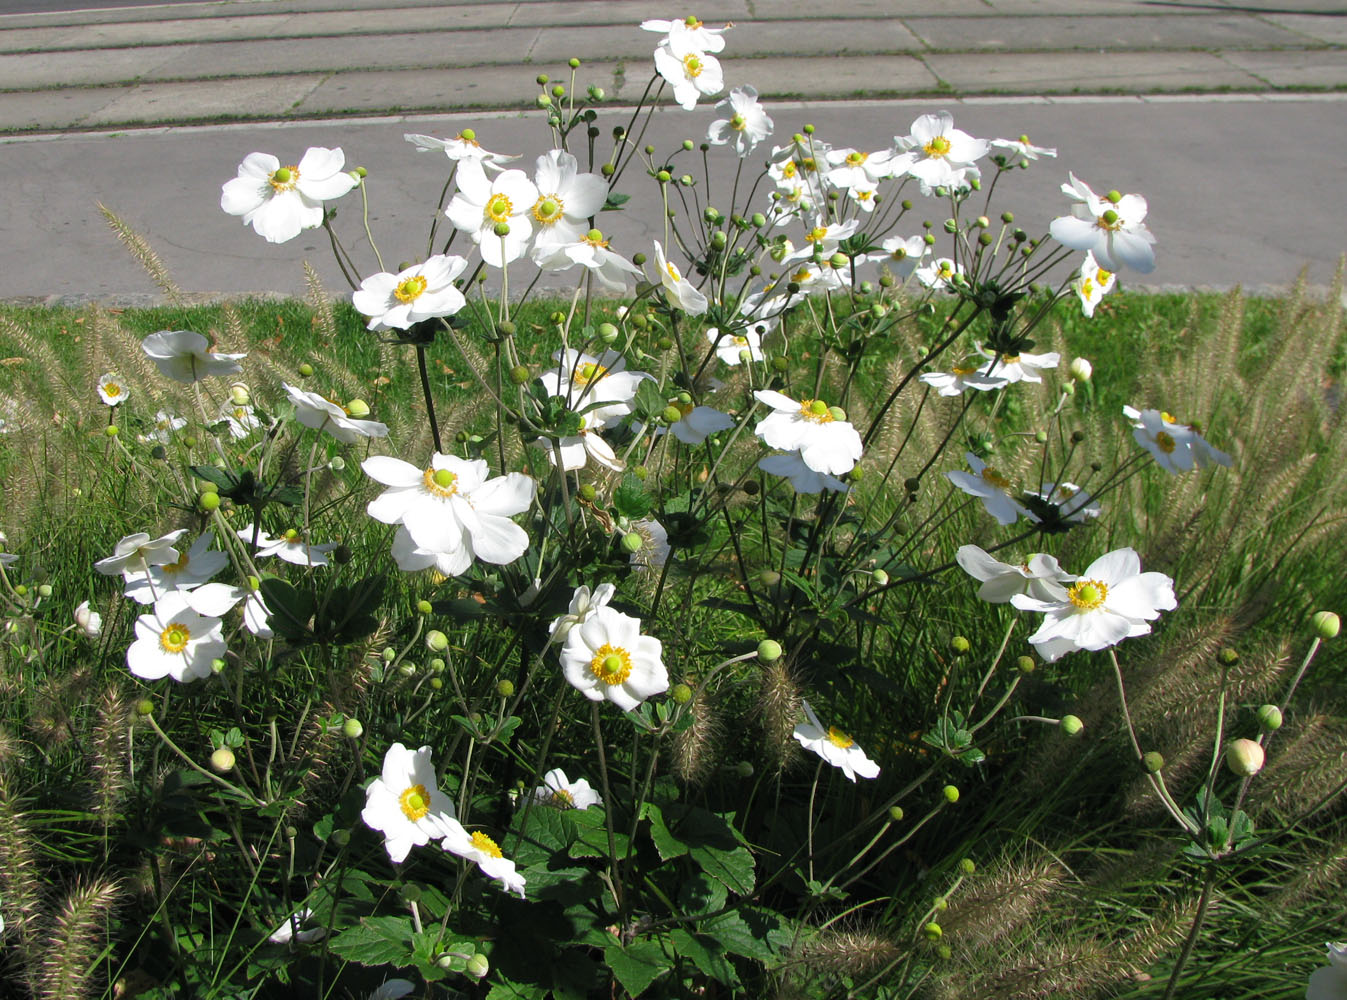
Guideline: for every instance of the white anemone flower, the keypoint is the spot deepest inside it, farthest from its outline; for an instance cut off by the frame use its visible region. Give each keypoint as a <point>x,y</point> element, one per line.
<point>939,274</point>
<point>134,552</point>
<point>1330,981</point>
<point>184,357</point>
<point>1093,283</point>
<point>111,390</point>
<point>165,424</point>
<point>577,451</point>
<point>970,375</point>
<point>290,546</point>
<point>191,569</point>
<point>1020,367</point>
<point>599,387</point>
<point>731,348</point>
<point>823,239</point>
<point>290,930</point>
<point>320,414</point>
<point>567,199</point>
<point>902,254</point>
<point>654,550</point>
<point>1072,502</point>
<point>1176,447</point>
<point>405,803</point>
<point>1112,227</point>
<point>827,443</point>
<point>451,507</point>
<point>747,125</point>
<point>834,746</point>
<point>590,251</point>
<point>698,423</point>
<point>560,792</point>
<point>938,154</point>
<point>241,420</point>
<point>1021,149</point>
<point>421,292</point>
<point>463,146</point>
<point>483,203</point>
<point>607,657</point>
<point>176,641</point>
<point>481,849</point>
<point>802,478</point>
<point>583,604</point>
<point>688,67</point>
<point>993,489</point>
<point>280,202</point>
<point>90,622</point>
<point>677,289</point>
<point>698,34</point>
<point>1111,601</point>
<point>850,167</point>
<point>1040,576</point>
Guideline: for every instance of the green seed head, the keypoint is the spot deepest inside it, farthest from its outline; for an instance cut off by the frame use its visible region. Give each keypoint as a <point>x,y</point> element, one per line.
<point>1326,624</point>
<point>951,793</point>
<point>769,651</point>
<point>505,688</point>
<point>1071,725</point>
<point>352,729</point>
<point>682,694</point>
<point>1153,762</point>
<point>436,641</point>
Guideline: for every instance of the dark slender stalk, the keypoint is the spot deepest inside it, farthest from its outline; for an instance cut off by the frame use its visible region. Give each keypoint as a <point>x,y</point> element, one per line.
<point>1198,918</point>
<point>425,390</point>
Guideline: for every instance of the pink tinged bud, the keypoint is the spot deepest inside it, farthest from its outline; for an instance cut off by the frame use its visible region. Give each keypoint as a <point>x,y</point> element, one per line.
<point>1244,757</point>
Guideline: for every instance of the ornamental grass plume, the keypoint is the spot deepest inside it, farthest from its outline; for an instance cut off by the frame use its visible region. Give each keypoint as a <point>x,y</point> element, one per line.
<point>21,883</point>
<point>1002,900</point>
<point>110,746</point>
<point>140,249</point>
<point>778,710</point>
<point>697,749</point>
<point>855,952</point>
<point>75,940</point>
<point>1307,762</point>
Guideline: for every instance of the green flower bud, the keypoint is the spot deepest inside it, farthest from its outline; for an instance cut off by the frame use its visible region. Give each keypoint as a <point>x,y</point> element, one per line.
<point>336,463</point>
<point>478,965</point>
<point>631,543</point>
<point>1227,657</point>
<point>809,130</point>
<point>44,590</point>
<point>608,332</point>
<point>217,665</point>
<point>959,645</point>
<point>664,343</point>
<point>967,866</point>
<point>222,760</point>
<point>505,688</point>
<point>1325,624</point>
<point>1071,725</point>
<point>640,472</point>
<point>1026,664</point>
<point>501,229</point>
<point>607,170</point>
<point>436,641</point>
<point>838,261</point>
<point>1081,369</point>
<point>1244,757</point>
<point>769,577</point>
<point>1269,718</point>
<point>837,413</point>
<point>558,90</point>
<point>542,79</point>
<point>879,578</point>
<point>352,729</point>
<point>436,665</point>
<point>543,101</point>
<point>587,492</point>
<point>744,769</point>
<point>519,374</point>
<point>932,931</point>
<point>436,684</point>
<point>718,240</point>
<point>940,905</point>
<point>951,226</point>
<point>573,62</point>
<point>663,177</point>
<point>681,694</point>
<point>780,364</point>
<point>111,430</point>
<point>209,501</point>
<point>671,414</point>
<point>189,441</point>
<point>984,239</point>
<point>896,813</point>
<point>144,707</point>
<point>951,793</point>
<point>1040,437</point>
<point>769,651</point>
<point>944,951</point>
<point>423,608</point>
<point>1152,761</point>
<point>1007,217</point>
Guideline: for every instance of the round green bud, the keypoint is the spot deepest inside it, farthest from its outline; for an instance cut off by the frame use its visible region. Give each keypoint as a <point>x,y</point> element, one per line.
<point>501,229</point>
<point>608,332</point>
<point>1325,624</point>
<point>587,492</point>
<point>1007,217</point>
<point>984,239</point>
<point>959,645</point>
<point>1071,725</point>
<point>932,931</point>
<point>769,651</point>
<point>879,310</point>
<point>631,543</point>
<point>718,240</point>
<point>951,793</point>
<point>879,578</point>
<point>44,590</point>
<point>505,688</point>
<point>911,484</point>
<point>688,145</point>
<point>896,814</point>
<point>837,413</point>
<point>208,501</point>
<point>189,441</point>
<point>218,665</point>
<point>543,79</point>
<point>940,905</point>
<point>21,589</point>
<point>558,91</point>
<point>671,414</point>
<point>929,240</point>
<point>144,707</point>
<point>436,641</point>
<point>352,729</point>
<point>446,961</point>
<point>607,170</point>
<point>407,669</point>
<point>640,472</point>
<point>543,101</point>
<point>423,607</point>
<point>809,129</point>
<point>967,866</point>
<point>478,966</point>
<point>944,951</point>
<point>1040,437</point>
<point>1077,437</point>
<point>222,760</point>
<point>436,665</point>
<point>112,430</point>
<point>951,226</point>
<point>1228,656</point>
<point>744,769</point>
<point>982,222</point>
<point>436,683</point>
<point>1244,757</point>
<point>838,261</point>
<point>663,176</point>
<point>1153,762</point>
<point>758,219</point>
<point>573,62</point>
<point>780,363</point>
<point>1269,718</point>
<point>519,374</point>
<point>681,693</point>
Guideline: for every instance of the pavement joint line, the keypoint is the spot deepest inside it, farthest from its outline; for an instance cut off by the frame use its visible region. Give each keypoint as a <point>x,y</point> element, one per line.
<point>919,104</point>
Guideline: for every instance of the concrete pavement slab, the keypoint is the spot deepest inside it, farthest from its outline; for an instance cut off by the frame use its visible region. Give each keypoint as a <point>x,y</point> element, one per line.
<point>1329,28</point>
<point>853,77</point>
<point>427,89</point>
<point>53,242</point>
<point>1292,69</point>
<point>48,109</point>
<point>1065,72</point>
<point>197,100</point>
<point>34,70</point>
<point>1089,31</point>
<point>750,38</point>
<point>133,33</point>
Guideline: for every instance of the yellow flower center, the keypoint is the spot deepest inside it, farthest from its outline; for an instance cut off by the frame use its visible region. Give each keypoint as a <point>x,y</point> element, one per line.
<point>179,566</point>
<point>991,476</point>
<point>1104,276</point>
<point>468,137</point>
<point>684,408</point>
<point>112,389</point>
<point>589,372</point>
<point>1088,594</point>
<point>816,234</point>
<point>561,799</point>
<point>855,158</point>
<point>498,208</point>
<point>864,195</point>
<point>284,179</point>
<point>1087,288</point>
<point>740,341</point>
<point>415,802</point>
<point>738,123</point>
<point>548,209</point>
<point>610,665</point>
<point>692,65</point>
<point>839,739</point>
<point>595,238</point>
<point>1110,220</point>
<point>1166,443</point>
<point>961,370</point>
<point>1168,418</point>
<point>1011,359</point>
<point>440,482</point>
<point>485,844</point>
<point>174,639</point>
<point>815,411</point>
<point>808,165</point>
<point>945,269</point>
<point>410,289</point>
<point>1065,492</point>
<point>789,170</point>
<point>938,146</point>
<point>802,276</point>
<point>673,272</point>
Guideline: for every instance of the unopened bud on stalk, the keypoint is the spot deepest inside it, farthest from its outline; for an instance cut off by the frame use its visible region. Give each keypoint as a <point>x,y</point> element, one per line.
<point>879,578</point>
<point>1152,761</point>
<point>951,793</point>
<point>587,492</point>
<point>1071,725</point>
<point>1269,718</point>
<point>1026,665</point>
<point>1244,757</point>
<point>222,760</point>
<point>239,394</point>
<point>681,693</point>
<point>769,651</point>
<point>959,645</point>
<point>1326,624</point>
<point>501,229</point>
<point>932,931</point>
<point>358,408</point>
<point>479,965</point>
<point>631,543</point>
<point>607,332</point>
<point>1228,656</point>
<point>519,374</point>
<point>144,707</point>
<point>1081,370</point>
<point>436,641</point>
<point>896,814</point>
<point>505,688</point>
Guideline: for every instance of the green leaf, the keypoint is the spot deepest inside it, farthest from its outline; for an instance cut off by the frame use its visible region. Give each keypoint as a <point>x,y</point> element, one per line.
<point>716,847</point>
<point>630,499</point>
<point>291,608</point>
<point>666,843</point>
<point>753,933</point>
<point>649,402</point>
<point>615,201</point>
<point>705,953</point>
<point>509,990</point>
<point>637,965</point>
<point>376,941</point>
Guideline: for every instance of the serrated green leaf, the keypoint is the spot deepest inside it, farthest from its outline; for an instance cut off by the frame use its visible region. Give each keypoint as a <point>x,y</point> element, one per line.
<point>706,954</point>
<point>615,201</point>
<point>509,990</point>
<point>752,933</point>
<point>666,843</point>
<point>637,965</point>
<point>376,941</point>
